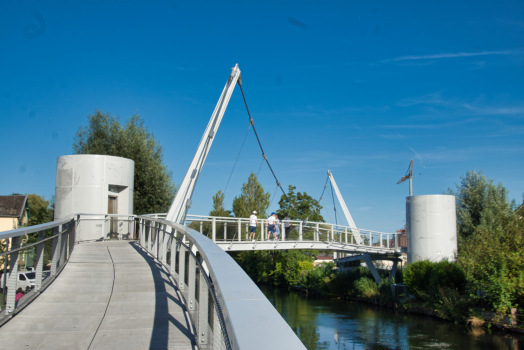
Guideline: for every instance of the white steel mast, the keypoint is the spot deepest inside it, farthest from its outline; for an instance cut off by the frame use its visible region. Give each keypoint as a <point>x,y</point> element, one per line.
<point>351,223</point>
<point>182,201</point>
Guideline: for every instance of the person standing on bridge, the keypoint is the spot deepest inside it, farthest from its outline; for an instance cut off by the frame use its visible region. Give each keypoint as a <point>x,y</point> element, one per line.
<point>271,220</point>
<point>253,225</point>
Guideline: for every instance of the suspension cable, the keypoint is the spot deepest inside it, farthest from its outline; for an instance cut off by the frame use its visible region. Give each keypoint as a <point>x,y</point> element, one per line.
<point>334,205</point>
<point>320,199</point>
<point>252,123</point>
<point>232,170</point>
<point>273,196</point>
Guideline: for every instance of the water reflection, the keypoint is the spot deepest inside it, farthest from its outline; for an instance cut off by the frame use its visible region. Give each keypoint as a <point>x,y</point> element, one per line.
<point>335,324</point>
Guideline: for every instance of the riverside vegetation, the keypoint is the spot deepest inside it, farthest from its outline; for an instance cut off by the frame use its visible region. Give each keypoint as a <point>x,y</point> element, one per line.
<point>487,275</point>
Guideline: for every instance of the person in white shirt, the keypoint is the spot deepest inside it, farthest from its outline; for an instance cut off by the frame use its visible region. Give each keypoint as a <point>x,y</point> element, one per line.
<point>253,225</point>
<point>271,226</point>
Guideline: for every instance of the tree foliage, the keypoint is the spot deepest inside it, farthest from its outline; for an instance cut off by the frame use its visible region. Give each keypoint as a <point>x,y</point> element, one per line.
<point>154,189</point>
<point>218,206</point>
<point>253,197</point>
<point>303,206</point>
<point>491,240</point>
<point>40,210</point>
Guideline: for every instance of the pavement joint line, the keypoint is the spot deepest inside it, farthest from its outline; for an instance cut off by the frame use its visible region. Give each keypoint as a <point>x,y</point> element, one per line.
<point>107,306</point>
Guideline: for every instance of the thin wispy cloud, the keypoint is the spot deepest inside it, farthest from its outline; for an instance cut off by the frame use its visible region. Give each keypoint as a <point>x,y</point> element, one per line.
<point>431,126</point>
<point>448,55</point>
<point>495,110</point>
<point>429,99</point>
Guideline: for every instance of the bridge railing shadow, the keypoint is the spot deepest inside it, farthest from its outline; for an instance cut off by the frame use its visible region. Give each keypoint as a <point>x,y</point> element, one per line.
<point>226,309</point>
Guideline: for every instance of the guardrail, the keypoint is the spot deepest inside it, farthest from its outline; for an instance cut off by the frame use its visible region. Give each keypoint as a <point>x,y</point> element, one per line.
<point>231,229</point>
<point>50,252</point>
<point>226,308</point>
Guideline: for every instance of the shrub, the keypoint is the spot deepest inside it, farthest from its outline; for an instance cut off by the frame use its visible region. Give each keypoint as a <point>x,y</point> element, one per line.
<point>366,287</point>
<point>385,291</point>
<point>447,275</point>
<point>417,277</point>
<point>425,278</point>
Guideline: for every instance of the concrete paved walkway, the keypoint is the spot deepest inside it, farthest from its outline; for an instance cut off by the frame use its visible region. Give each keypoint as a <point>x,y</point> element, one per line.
<point>110,295</point>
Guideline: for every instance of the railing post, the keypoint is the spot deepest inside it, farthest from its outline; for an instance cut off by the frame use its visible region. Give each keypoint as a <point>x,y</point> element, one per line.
<point>141,232</point>
<point>225,231</point>
<point>316,235</point>
<point>214,229</point>
<point>396,242</point>
<point>191,302</point>
<point>13,276</point>
<point>56,249</point>
<point>370,239</point>
<point>262,231</point>
<point>201,227</point>
<point>149,232</point>
<point>157,240</point>
<point>174,249</point>
<point>181,267</point>
<point>282,231</point>
<point>239,230</point>
<point>39,261</point>
<point>63,248</point>
<point>300,231</point>
<point>4,275</point>
<point>332,232</point>
<point>203,306</point>
<point>165,241</point>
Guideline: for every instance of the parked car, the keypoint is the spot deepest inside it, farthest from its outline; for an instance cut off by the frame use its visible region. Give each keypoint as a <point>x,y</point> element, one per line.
<point>26,280</point>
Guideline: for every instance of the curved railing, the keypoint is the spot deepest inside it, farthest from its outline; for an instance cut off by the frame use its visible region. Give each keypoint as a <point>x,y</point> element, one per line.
<point>209,279</point>
<point>49,254</point>
<point>227,310</point>
<point>232,229</point>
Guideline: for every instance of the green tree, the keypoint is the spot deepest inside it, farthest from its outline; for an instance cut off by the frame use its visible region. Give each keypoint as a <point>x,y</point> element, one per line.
<point>253,197</point>
<point>303,206</point>
<point>491,240</point>
<point>218,206</point>
<point>40,210</point>
<point>154,189</point>
<point>480,204</point>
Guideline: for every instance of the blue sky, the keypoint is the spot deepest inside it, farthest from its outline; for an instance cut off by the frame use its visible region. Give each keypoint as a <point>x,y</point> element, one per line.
<point>356,87</point>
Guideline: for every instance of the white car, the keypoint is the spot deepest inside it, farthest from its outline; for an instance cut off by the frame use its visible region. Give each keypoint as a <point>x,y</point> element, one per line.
<point>26,280</point>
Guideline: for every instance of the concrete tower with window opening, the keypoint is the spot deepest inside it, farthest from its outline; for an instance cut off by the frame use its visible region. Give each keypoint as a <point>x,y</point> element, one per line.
<point>95,184</point>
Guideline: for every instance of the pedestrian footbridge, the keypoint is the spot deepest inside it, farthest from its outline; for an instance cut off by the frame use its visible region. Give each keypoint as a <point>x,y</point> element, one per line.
<point>164,287</point>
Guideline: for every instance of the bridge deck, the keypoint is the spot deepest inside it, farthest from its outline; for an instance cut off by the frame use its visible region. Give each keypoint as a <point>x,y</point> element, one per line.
<point>110,295</point>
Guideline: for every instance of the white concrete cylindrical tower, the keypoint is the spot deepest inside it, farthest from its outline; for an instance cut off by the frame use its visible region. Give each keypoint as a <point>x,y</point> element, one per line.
<point>94,184</point>
<point>431,226</point>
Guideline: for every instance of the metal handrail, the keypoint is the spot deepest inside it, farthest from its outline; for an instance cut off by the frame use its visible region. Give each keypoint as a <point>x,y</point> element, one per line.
<point>63,244</point>
<point>322,232</point>
<point>240,301</point>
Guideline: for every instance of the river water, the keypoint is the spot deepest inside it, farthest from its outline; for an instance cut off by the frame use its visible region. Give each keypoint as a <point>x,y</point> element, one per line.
<point>327,324</point>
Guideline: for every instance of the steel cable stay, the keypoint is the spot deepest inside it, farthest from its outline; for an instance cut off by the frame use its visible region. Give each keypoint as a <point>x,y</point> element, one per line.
<point>334,205</point>
<point>252,123</point>
<point>240,151</point>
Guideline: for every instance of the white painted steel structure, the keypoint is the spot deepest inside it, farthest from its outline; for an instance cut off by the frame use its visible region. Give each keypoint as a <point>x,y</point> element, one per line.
<point>231,234</point>
<point>182,201</point>
<point>431,226</point>
<point>345,209</point>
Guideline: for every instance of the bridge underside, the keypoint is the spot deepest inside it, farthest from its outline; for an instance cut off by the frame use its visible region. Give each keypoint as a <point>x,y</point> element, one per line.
<point>110,295</point>
<point>314,245</point>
